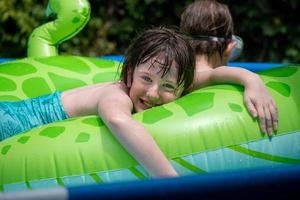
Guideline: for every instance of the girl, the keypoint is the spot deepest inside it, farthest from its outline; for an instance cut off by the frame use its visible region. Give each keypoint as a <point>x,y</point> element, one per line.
<point>158,68</point>
<point>209,26</point>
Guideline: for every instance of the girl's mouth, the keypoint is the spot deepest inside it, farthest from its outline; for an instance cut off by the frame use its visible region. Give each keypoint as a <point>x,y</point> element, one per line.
<point>146,104</point>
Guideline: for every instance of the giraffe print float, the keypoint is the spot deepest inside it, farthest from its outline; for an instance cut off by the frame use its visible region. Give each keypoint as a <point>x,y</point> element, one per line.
<point>206,131</point>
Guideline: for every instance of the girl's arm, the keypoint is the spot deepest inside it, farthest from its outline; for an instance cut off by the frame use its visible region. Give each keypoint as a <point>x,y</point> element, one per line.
<point>257,98</point>
<point>115,110</point>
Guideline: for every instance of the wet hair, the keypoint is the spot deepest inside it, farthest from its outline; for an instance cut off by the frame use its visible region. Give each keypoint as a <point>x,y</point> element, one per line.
<point>168,46</point>
<point>209,25</point>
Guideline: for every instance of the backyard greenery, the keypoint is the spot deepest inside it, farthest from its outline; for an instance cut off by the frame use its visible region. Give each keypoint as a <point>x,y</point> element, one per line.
<point>270,29</point>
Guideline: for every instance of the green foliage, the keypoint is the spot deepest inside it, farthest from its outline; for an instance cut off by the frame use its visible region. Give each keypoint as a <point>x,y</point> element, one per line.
<point>17,20</point>
<point>269,28</point>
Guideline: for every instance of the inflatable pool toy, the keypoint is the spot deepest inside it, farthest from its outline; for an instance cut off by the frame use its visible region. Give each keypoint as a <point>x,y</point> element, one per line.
<point>206,131</point>
<point>71,17</point>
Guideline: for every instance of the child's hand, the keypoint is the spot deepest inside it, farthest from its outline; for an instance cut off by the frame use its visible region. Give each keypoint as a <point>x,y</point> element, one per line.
<point>261,104</point>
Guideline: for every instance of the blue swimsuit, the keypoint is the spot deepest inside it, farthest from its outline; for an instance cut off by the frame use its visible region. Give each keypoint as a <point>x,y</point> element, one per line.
<point>20,116</point>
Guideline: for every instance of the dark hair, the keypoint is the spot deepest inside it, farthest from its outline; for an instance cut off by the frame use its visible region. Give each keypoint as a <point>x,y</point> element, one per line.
<point>207,18</point>
<point>169,45</point>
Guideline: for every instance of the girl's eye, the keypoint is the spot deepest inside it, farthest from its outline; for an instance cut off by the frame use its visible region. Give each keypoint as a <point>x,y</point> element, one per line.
<point>169,86</point>
<point>146,78</point>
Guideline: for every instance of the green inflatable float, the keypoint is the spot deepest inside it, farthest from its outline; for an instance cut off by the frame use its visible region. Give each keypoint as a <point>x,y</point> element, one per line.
<point>206,131</point>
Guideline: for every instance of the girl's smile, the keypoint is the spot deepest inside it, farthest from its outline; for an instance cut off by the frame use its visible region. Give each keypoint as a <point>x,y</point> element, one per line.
<point>150,87</point>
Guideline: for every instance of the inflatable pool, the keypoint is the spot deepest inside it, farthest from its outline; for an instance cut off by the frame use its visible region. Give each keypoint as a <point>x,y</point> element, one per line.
<point>207,131</point>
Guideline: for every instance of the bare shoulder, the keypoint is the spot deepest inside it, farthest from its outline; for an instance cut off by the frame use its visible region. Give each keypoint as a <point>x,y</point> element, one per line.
<point>114,91</point>
<point>85,100</point>
<point>115,99</point>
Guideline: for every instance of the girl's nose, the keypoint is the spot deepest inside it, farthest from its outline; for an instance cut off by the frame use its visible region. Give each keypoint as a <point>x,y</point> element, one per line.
<point>153,93</point>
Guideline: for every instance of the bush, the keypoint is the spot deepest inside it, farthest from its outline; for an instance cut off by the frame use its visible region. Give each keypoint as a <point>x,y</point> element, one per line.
<point>269,28</point>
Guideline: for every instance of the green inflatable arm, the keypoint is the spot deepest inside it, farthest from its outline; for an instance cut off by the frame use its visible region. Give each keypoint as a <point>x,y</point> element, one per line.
<point>71,18</point>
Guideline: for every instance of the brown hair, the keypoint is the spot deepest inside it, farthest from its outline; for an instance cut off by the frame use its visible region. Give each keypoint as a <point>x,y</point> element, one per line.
<point>166,43</point>
<point>203,20</point>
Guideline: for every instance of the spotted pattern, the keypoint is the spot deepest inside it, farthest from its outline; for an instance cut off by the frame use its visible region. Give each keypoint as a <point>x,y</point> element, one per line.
<point>280,72</point>
<point>35,87</point>
<point>24,139</point>
<point>210,145</point>
<point>18,70</point>
<point>156,114</point>
<point>5,149</point>
<point>235,107</point>
<point>97,122</point>
<point>206,99</point>
<point>52,132</point>
<point>7,84</point>
<point>59,62</point>
<point>41,76</point>
<point>82,137</point>
<point>282,88</point>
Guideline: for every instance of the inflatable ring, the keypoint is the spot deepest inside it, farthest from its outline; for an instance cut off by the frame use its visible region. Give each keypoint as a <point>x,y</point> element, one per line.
<point>206,131</point>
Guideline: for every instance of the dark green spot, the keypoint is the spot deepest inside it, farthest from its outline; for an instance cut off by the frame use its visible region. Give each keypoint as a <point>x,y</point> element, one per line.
<point>17,69</point>
<point>196,102</point>
<point>5,149</point>
<point>23,139</point>
<point>34,87</point>
<point>280,87</point>
<point>280,72</point>
<point>105,77</point>
<point>75,20</point>
<point>85,11</point>
<point>101,63</point>
<point>82,137</point>
<point>94,121</point>
<point>64,83</point>
<point>52,132</point>
<point>70,63</point>
<point>9,98</point>
<point>155,114</point>
<point>7,84</point>
<point>235,107</point>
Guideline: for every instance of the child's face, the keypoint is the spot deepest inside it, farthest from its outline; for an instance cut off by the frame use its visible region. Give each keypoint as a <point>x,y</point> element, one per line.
<point>149,88</point>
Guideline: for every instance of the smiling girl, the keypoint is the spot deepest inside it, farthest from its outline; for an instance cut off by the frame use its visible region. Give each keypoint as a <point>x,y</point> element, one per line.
<point>158,68</point>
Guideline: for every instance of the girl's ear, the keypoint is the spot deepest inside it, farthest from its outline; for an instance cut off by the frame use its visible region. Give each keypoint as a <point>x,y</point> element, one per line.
<point>228,50</point>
